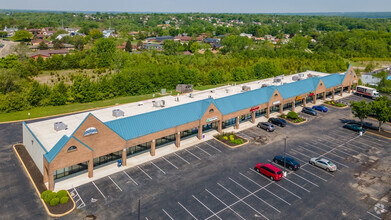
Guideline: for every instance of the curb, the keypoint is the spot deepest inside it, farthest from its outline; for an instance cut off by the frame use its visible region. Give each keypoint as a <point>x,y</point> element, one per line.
<point>293,123</point>
<point>233,147</point>
<point>39,194</point>
<point>375,119</point>
<point>347,106</point>
<point>379,134</point>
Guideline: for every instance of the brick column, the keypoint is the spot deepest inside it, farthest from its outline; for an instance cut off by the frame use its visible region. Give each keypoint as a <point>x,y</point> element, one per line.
<point>341,91</point>
<point>324,96</point>
<point>178,139</point>
<point>333,94</point>
<point>200,132</point>
<point>153,146</point>
<point>51,179</point>
<point>253,117</point>
<point>293,106</point>
<point>91,168</point>
<point>237,123</point>
<point>220,126</point>
<point>349,88</point>
<point>314,98</point>
<point>268,112</point>
<point>45,175</point>
<point>281,108</point>
<point>304,102</point>
<point>124,157</point>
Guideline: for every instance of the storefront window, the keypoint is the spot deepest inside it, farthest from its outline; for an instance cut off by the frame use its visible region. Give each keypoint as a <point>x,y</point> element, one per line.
<point>260,113</point>
<point>229,122</point>
<point>287,106</point>
<point>70,170</point>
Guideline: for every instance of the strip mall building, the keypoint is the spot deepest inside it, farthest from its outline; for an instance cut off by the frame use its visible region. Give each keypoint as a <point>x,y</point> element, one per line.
<point>78,143</point>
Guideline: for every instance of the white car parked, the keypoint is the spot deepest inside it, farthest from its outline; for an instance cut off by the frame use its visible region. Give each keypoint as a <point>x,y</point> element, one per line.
<point>323,163</point>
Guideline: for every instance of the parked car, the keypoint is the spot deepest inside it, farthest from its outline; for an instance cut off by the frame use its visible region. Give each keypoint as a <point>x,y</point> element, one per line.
<point>354,127</point>
<point>309,111</point>
<point>266,125</point>
<point>319,108</point>
<point>324,164</point>
<point>269,170</point>
<point>278,121</point>
<point>365,125</point>
<point>290,163</point>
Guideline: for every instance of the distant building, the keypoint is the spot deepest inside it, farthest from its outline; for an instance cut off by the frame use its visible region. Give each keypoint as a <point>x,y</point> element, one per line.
<point>48,53</point>
<point>153,46</point>
<point>108,33</point>
<point>163,38</point>
<point>10,31</point>
<point>370,79</point>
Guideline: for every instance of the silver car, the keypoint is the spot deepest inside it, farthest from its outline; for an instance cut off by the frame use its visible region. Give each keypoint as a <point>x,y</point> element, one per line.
<point>323,163</point>
<point>266,125</point>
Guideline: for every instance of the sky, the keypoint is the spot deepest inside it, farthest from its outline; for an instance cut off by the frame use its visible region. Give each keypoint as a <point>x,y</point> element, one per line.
<point>219,6</point>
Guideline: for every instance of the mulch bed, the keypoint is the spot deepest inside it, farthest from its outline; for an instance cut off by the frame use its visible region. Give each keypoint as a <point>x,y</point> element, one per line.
<point>228,142</point>
<point>37,177</point>
<point>381,133</point>
<point>293,121</point>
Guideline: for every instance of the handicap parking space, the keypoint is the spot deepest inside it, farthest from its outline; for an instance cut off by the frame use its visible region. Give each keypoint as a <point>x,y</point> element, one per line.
<point>90,194</point>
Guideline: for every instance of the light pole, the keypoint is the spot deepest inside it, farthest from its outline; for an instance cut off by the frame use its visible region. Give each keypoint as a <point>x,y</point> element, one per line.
<point>284,157</point>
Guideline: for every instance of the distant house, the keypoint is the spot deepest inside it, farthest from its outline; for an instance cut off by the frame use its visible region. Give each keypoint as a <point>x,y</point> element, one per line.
<point>187,53</point>
<point>153,47</point>
<point>182,38</point>
<point>163,38</point>
<point>61,36</point>
<point>48,53</point>
<point>34,31</point>
<point>50,47</point>
<point>123,45</point>
<point>246,35</point>
<point>211,40</point>
<point>216,46</point>
<point>10,31</point>
<point>108,33</point>
<point>38,41</point>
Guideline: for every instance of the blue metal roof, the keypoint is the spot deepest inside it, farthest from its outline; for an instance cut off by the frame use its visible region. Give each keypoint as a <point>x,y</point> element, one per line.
<point>332,80</point>
<point>297,88</point>
<point>56,149</point>
<point>237,102</point>
<point>151,122</point>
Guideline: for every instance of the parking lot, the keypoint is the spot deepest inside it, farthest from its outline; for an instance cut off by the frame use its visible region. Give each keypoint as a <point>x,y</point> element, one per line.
<point>212,181</point>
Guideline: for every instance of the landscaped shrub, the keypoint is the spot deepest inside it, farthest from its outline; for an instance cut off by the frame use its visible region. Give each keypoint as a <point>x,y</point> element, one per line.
<point>44,193</point>
<point>340,105</point>
<point>293,115</point>
<point>64,200</point>
<point>49,197</point>
<point>62,193</point>
<point>54,201</point>
<point>225,138</point>
<point>231,137</point>
<point>239,141</point>
<point>283,115</point>
<point>298,120</point>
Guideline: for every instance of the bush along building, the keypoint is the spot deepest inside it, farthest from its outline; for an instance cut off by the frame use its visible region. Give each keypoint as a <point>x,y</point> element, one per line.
<point>78,143</point>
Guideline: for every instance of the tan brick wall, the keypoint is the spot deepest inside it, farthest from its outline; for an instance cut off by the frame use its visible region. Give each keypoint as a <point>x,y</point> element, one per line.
<point>350,77</point>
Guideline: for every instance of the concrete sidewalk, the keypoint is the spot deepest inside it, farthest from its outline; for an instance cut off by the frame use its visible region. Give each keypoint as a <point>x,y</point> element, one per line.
<point>103,171</point>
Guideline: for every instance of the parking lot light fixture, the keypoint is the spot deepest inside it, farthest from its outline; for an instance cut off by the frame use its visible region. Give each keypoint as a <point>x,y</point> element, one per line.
<point>284,157</point>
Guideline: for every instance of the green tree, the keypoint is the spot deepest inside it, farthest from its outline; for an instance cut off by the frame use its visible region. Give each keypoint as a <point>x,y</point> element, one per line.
<point>43,46</point>
<point>59,95</point>
<point>128,46</point>
<point>3,34</point>
<point>104,50</point>
<point>194,47</point>
<point>216,76</point>
<point>140,45</point>
<point>170,47</point>
<point>360,110</point>
<point>22,36</point>
<point>95,34</point>
<point>58,45</point>
<point>35,94</point>
<point>382,110</point>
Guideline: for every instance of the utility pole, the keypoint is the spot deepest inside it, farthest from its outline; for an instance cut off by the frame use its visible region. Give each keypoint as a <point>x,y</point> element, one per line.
<point>139,214</point>
<point>284,157</point>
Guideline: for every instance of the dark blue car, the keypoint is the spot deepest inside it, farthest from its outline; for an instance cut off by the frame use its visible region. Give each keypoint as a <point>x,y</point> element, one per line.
<point>290,163</point>
<point>320,108</point>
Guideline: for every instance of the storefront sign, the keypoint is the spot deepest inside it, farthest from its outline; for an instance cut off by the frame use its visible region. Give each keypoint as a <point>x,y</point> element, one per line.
<point>276,102</point>
<point>298,98</point>
<point>211,119</point>
<point>311,94</point>
<point>254,109</point>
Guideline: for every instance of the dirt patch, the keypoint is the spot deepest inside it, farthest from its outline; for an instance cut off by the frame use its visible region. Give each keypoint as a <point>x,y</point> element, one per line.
<point>54,76</point>
<point>37,177</point>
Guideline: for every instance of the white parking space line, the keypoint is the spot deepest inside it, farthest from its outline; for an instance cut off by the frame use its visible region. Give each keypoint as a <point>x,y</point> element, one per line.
<point>187,211</point>
<point>336,161</point>
<point>254,194</point>
<point>170,162</point>
<point>306,180</point>
<point>275,184</point>
<point>376,138</point>
<point>313,174</point>
<point>182,158</point>
<point>213,214</point>
<point>157,167</point>
<point>367,145</point>
<point>99,190</point>
<point>82,204</point>
<point>322,150</point>
<point>204,151</point>
<point>168,214</point>
<point>212,147</point>
<point>347,148</point>
<point>225,204</point>
<point>344,144</point>
<point>316,142</point>
<point>265,189</point>
<point>296,151</point>
<point>244,136</point>
<point>242,201</point>
<point>130,178</point>
<point>374,215</point>
<point>144,172</point>
<point>192,154</point>
<point>297,185</point>
<point>297,158</point>
<point>253,132</point>
<point>115,184</point>
<point>301,167</point>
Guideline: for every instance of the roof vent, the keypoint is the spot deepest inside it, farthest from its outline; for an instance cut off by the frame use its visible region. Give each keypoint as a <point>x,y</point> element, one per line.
<point>301,75</point>
<point>310,75</point>
<point>265,85</point>
<point>295,78</point>
<point>59,126</point>
<point>227,90</point>
<point>159,103</point>
<point>140,103</point>
<point>118,112</point>
<point>191,95</point>
<point>277,80</point>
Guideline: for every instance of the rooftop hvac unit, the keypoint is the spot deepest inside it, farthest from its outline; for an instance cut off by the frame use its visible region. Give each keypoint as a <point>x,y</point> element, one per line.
<point>295,78</point>
<point>58,126</point>
<point>191,95</point>
<point>227,90</point>
<point>265,85</point>
<point>277,80</point>
<point>310,75</point>
<point>159,103</point>
<point>140,104</point>
<point>246,88</point>
<point>163,91</point>
<point>301,75</point>
<point>212,91</point>
<point>118,113</point>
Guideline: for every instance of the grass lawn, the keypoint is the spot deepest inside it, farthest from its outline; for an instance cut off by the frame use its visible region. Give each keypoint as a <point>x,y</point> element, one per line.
<point>55,110</point>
